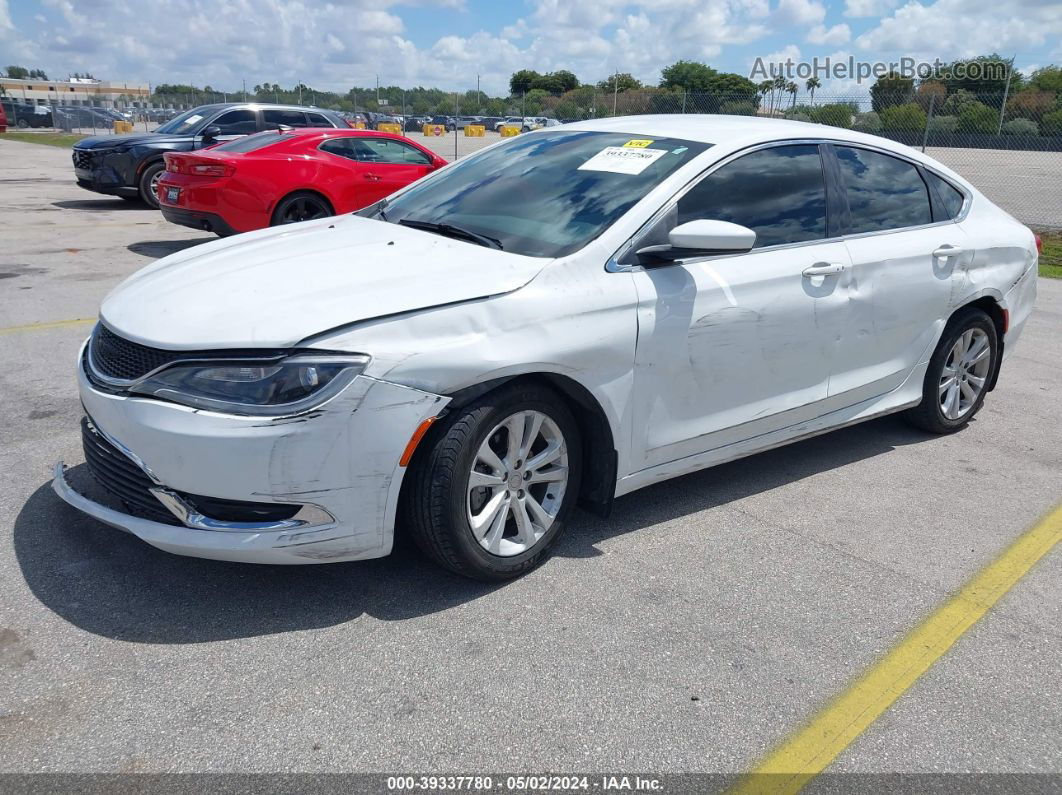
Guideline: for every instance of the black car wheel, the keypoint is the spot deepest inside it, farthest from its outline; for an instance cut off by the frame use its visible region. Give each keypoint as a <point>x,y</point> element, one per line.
<point>149,183</point>
<point>23,124</point>
<point>301,206</point>
<point>488,495</point>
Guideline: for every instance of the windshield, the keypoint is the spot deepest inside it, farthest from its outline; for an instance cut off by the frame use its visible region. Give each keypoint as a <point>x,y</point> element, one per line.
<point>184,123</point>
<point>544,195</point>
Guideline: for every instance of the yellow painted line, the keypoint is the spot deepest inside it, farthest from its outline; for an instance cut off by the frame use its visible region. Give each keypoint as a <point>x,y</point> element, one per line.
<point>78,321</point>
<point>811,750</point>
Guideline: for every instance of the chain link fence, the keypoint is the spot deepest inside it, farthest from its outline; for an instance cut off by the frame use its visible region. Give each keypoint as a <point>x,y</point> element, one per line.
<point>1009,146</point>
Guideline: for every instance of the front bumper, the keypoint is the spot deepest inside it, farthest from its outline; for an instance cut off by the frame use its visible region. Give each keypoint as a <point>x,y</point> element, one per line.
<point>104,172</point>
<point>342,457</point>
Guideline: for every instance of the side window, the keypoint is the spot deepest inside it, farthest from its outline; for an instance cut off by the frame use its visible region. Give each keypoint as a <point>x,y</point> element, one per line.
<point>779,193</point>
<point>341,147</point>
<point>289,118</point>
<point>317,120</point>
<point>883,192</point>
<point>237,122</point>
<point>385,150</point>
<point>949,195</point>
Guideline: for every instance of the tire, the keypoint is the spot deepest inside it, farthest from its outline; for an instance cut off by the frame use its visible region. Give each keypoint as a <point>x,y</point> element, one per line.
<point>148,180</point>
<point>302,205</point>
<point>441,505</point>
<point>950,402</point>
<point>23,124</point>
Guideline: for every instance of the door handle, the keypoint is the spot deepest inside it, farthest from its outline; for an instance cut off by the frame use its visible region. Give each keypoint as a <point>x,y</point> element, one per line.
<point>823,269</point>
<point>948,251</point>
<point>372,177</point>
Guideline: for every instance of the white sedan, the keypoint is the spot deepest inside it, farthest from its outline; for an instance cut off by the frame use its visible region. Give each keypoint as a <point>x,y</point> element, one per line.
<point>559,319</point>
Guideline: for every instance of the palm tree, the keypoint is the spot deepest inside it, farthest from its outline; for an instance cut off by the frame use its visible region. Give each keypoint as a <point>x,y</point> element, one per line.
<point>792,89</point>
<point>764,87</point>
<point>779,87</point>
<point>811,85</point>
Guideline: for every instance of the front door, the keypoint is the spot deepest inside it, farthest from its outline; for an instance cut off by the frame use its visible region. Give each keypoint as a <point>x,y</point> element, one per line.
<point>386,166</point>
<point>731,347</point>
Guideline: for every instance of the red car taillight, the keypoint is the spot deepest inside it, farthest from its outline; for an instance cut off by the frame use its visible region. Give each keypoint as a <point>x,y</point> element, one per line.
<point>212,170</point>
<point>1039,244</point>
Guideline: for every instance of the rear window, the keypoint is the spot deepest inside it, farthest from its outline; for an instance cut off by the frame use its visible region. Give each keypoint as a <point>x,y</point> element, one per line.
<point>948,194</point>
<point>251,143</point>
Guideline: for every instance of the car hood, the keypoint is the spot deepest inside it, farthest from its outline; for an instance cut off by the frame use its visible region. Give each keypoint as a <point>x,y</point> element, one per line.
<point>276,287</point>
<point>112,141</point>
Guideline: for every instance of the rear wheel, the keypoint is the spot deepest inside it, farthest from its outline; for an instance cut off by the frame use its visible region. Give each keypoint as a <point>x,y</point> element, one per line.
<point>489,497</point>
<point>149,184</point>
<point>959,373</point>
<point>301,206</point>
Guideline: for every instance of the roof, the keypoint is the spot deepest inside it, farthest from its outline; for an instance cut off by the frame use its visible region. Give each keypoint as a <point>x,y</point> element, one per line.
<point>721,129</point>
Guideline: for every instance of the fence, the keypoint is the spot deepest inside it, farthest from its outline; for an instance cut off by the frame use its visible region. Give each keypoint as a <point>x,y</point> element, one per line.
<point>1010,146</point>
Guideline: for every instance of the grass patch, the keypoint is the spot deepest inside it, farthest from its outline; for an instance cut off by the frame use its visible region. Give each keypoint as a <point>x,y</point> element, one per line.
<point>50,139</point>
<point>1051,256</point>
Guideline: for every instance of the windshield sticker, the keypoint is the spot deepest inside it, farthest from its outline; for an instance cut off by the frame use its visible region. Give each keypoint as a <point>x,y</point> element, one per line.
<point>679,150</point>
<point>191,120</point>
<point>637,143</point>
<point>621,160</point>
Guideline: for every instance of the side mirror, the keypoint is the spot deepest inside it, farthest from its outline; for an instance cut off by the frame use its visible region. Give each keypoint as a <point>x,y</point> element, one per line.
<point>701,238</point>
<point>211,132</point>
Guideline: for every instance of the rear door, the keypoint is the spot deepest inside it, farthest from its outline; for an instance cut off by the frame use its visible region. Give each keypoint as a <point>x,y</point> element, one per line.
<point>900,283</point>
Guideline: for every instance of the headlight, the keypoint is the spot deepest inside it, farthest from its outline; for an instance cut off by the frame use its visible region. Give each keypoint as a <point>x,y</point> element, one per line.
<point>252,387</point>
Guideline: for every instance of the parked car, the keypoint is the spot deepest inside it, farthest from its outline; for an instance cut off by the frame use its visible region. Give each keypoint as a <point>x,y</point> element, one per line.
<point>526,124</point>
<point>25,114</point>
<point>416,123</point>
<point>3,119</point>
<point>565,317</point>
<point>129,166</point>
<point>273,178</point>
<point>81,116</point>
<point>449,122</point>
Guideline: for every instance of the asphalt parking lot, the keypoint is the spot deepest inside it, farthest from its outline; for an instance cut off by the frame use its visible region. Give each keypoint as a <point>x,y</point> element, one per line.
<point>696,628</point>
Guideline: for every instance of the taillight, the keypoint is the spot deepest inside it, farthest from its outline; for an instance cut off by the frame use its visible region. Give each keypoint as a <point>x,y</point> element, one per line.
<point>1039,244</point>
<point>212,170</point>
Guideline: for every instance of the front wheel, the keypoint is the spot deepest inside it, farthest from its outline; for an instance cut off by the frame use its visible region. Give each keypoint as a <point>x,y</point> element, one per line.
<point>959,373</point>
<point>488,498</point>
<point>149,184</point>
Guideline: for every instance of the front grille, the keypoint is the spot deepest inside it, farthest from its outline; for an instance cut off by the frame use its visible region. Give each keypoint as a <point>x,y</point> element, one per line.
<point>116,473</point>
<point>116,357</point>
<point>82,158</point>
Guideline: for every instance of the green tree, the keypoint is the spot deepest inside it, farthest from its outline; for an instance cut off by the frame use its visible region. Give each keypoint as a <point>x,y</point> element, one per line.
<point>1051,123</point>
<point>811,84</point>
<point>1047,78</point>
<point>521,82</point>
<point>984,75</point>
<point>976,117</point>
<point>908,117</point>
<point>931,94</point>
<point>890,90</point>
<point>17,72</point>
<point>835,114</point>
<point>688,76</point>
<point>1021,127</point>
<point>621,82</point>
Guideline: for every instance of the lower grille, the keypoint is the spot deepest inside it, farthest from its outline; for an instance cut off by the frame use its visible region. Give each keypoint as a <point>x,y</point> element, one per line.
<point>121,477</point>
<point>82,159</point>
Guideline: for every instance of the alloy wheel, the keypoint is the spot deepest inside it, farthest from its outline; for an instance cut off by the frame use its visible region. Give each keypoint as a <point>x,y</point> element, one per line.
<point>517,483</point>
<point>304,208</point>
<point>965,373</point>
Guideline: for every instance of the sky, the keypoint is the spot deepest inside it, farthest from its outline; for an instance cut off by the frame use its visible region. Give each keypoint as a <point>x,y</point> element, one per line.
<point>447,43</point>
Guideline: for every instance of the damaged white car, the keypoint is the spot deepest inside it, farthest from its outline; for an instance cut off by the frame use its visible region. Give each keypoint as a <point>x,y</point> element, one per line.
<point>562,318</point>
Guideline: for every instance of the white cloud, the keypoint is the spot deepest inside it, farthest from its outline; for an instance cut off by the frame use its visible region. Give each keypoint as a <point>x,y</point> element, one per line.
<point>868,8</point>
<point>838,34</point>
<point>801,12</point>
<point>965,28</point>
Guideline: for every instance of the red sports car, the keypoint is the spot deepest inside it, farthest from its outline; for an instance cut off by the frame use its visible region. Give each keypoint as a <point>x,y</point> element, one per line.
<point>284,176</point>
